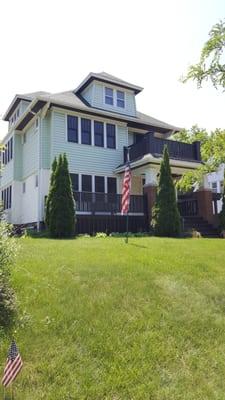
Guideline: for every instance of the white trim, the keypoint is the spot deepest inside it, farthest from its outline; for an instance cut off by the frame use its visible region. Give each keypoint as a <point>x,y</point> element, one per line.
<point>79,130</point>
<point>92,133</point>
<point>93,183</point>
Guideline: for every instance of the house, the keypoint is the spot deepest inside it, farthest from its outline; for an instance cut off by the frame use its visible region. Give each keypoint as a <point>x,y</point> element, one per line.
<point>93,124</point>
<point>215,181</point>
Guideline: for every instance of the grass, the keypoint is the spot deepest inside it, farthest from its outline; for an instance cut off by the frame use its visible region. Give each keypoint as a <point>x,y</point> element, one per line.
<point>104,320</point>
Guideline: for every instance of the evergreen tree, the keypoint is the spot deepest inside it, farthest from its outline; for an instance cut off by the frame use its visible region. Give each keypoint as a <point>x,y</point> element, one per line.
<point>62,206</point>
<point>48,202</point>
<point>166,217</point>
<point>222,212</point>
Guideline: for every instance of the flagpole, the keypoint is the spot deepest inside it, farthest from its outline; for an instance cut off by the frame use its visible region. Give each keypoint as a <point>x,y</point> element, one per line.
<point>127,224</point>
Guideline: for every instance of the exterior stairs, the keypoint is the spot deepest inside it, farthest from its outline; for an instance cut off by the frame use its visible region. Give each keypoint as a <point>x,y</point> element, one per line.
<point>199,224</point>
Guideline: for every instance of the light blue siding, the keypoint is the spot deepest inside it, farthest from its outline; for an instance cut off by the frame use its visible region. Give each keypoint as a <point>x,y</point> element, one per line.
<point>46,142</point>
<point>84,158</point>
<point>30,153</point>
<point>23,106</point>
<point>88,94</point>
<point>18,157</point>
<point>98,100</point>
<point>7,174</point>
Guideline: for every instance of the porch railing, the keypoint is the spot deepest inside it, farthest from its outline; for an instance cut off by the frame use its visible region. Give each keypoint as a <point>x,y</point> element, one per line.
<point>188,205</point>
<point>93,203</point>
<point>155,146</point>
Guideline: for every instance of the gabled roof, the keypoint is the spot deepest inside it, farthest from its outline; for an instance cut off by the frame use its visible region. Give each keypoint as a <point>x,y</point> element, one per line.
<point>106,78</point>
<point>18,97</point>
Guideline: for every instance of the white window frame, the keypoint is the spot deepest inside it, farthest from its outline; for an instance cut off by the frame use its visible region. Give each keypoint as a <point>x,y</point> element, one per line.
<point>121,91</point>
<point>113,96</point>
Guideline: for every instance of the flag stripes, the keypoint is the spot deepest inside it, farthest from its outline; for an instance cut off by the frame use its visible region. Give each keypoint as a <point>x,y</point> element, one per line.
<point>13,365</point>
<point>126,190</point>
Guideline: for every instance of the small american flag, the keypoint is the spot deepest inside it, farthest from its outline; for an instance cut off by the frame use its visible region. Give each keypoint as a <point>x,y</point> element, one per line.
<point>126,188</point>
<point>13,365</point>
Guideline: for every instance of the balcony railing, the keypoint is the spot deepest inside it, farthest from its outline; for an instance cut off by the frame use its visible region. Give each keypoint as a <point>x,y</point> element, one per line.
<point>95,203</point>
<point>153,145</point>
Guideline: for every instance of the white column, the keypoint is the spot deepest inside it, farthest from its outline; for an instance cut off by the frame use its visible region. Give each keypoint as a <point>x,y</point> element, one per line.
<point>151,177</point>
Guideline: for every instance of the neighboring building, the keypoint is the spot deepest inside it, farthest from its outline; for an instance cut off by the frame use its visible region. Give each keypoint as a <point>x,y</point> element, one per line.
<point>93,125</point>
<point>215,181</point>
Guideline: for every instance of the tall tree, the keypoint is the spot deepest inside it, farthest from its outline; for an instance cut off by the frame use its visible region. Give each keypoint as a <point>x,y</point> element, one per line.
<point>166,217</point>
<point>211,64</point>
<point>48,202</point>
<point>212,154</point>
<point>62,207</point>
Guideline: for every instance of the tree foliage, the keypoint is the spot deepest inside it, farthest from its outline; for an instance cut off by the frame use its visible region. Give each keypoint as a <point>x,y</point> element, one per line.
<point>48,202</point>
<point>61,203</point>
<point>211,65</point>
<point>8,249</point>
<point>212,154</point>
<point>166,217</point>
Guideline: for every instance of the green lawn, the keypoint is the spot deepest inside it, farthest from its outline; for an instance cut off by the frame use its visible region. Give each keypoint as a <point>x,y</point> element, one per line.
<point>106,320</point>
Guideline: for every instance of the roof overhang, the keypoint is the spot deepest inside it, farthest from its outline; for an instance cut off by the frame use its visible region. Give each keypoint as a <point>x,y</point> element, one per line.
<point>150,160</point>
<point>13,106</point>
<point>35,106</point>
<point>95,77</point>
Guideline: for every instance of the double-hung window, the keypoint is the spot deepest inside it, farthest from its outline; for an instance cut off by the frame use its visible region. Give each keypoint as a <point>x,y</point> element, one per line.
<point>85,131</point>
<point>86,183</point>
<point>109,96</point>
<point>75,182</point>
<point>99,133</point>
<point>99,184</point>
<point>120,99</point>
<point>72,129</point>
<point>111,136</point>
<point>111,183</point>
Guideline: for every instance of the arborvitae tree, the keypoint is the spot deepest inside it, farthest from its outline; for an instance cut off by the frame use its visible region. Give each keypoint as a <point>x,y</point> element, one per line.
<point>48,202</point>
<point>62,207</point>
<point>222,212</point>
<point>166,217</point>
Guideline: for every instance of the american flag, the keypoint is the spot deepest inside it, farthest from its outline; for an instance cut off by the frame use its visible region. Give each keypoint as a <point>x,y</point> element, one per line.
<point>126,188</point>
<point>13,365</point>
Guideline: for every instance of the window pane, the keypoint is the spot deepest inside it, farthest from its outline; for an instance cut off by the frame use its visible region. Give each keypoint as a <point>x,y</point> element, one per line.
<point>99,133</point>
<point>99,184</point>
<point>111,185</point>
<point>120,99</point>
<point>86,183</point>
<point>72,129</point>
<point>111,136</point>
<point>120,95</point>
<point>109,96</point>
<point>85,131</point>
<point>74,180</point>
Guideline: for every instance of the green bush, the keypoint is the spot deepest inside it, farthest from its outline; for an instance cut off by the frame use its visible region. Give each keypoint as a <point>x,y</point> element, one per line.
<point>61,214</point>
<point>165,215</point>
<point>7,297</point>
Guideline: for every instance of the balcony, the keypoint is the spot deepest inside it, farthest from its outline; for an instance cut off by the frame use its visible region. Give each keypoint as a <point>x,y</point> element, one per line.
<point>106,203</point>
<point>153,145</point>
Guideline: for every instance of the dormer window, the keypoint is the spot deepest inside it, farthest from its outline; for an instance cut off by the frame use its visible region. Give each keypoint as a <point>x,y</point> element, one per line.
<point>120,99</point>
<point>109,96</point>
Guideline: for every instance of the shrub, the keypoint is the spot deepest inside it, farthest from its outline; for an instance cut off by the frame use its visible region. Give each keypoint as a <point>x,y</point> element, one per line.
<point>101,235</point>
<point>62,206</point>
<point>165,215</point>
<point>7,297</point>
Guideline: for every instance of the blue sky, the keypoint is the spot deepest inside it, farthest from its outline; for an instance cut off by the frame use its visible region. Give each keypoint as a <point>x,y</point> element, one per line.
<point>52,46</point>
